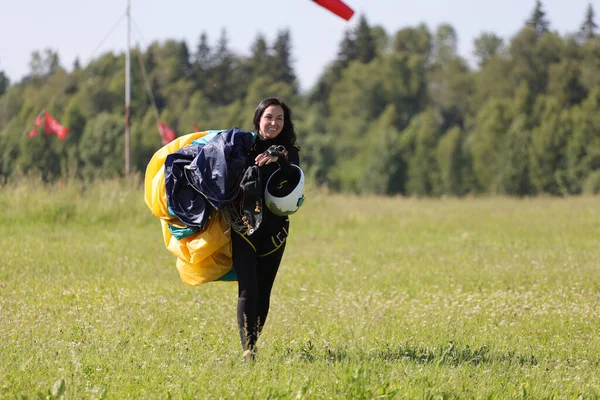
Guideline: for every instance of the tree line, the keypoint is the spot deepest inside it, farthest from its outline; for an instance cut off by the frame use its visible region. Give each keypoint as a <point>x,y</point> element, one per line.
<point>393,113</point>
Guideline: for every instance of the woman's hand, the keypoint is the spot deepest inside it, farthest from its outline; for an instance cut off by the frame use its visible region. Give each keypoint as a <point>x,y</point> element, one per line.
<point>264,158</point>
<point>270,156</point>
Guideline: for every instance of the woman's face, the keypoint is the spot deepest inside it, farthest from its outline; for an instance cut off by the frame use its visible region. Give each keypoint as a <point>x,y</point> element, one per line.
<point>271,122</point>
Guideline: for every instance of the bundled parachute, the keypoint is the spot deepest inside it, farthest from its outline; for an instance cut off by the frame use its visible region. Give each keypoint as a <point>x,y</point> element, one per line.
<point>175,191</point>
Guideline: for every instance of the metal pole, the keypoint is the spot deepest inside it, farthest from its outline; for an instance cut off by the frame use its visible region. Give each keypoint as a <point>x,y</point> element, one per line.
<point>127,88</point>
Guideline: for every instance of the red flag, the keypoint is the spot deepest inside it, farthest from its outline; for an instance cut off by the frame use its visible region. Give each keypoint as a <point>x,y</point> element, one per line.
<point>32,133</point>
<point>53,126</point>
<point>39,121</point>
<point>167,134</point>
<point>337,7</point>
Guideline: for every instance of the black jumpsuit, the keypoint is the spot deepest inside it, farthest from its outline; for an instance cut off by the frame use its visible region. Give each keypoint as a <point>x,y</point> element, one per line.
<point>256,257</point>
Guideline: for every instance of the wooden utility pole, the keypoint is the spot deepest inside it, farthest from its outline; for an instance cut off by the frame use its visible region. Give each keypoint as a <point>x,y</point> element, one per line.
<point>127,88</point>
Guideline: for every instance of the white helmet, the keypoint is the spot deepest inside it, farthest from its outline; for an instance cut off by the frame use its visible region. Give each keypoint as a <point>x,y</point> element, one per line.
<point>284,196</point>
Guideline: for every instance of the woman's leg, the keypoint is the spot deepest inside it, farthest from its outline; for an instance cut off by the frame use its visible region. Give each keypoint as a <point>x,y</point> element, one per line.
<point>266,271</point>
<point>245,263</point>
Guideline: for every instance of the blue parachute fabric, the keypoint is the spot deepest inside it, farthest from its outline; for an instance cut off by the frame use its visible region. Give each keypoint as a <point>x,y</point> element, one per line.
<point>184,201</point>
<point>210,135</point>
<point>230,276</point>
<point>180,233</point>
<point>218,168</point>
<point>181,197</point>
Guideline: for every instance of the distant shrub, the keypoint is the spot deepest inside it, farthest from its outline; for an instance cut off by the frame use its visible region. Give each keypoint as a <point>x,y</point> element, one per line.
<point>592,183</point>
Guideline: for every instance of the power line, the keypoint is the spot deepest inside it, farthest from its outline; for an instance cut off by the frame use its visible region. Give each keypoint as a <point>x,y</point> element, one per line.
<point>107,35</point>
<point>144,73</point>
<point>148,86</point>
<point>138,31</point>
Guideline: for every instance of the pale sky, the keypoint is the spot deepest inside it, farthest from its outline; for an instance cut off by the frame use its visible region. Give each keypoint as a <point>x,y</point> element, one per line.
<point>82,28</point>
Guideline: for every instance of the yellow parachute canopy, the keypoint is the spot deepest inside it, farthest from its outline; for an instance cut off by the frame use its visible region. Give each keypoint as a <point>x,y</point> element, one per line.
<point>204,256</point>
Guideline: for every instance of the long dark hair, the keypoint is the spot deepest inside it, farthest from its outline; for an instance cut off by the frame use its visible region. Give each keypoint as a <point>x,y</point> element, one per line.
<point>288,133</point>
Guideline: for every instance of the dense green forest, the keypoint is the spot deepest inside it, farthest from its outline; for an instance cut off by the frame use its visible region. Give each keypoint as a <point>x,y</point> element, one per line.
<point>394,113</point>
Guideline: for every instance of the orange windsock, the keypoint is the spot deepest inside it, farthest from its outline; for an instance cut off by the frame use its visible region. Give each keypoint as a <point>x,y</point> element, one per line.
<point>338,7</point>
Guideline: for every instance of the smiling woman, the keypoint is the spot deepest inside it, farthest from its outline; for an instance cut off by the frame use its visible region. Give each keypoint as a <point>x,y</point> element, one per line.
<point>257,253</point>
<point>271,122</point>
<point>219,228</point>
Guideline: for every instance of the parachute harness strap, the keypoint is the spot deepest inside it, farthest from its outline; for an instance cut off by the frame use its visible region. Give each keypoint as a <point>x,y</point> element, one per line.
<point>236,220</point>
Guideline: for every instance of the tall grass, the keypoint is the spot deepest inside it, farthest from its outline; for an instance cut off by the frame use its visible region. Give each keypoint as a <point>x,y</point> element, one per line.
<point>376,298</point>
<point>32,201</point>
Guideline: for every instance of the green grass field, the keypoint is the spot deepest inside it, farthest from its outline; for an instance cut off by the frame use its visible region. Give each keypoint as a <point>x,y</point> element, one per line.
<point>376,298</point>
